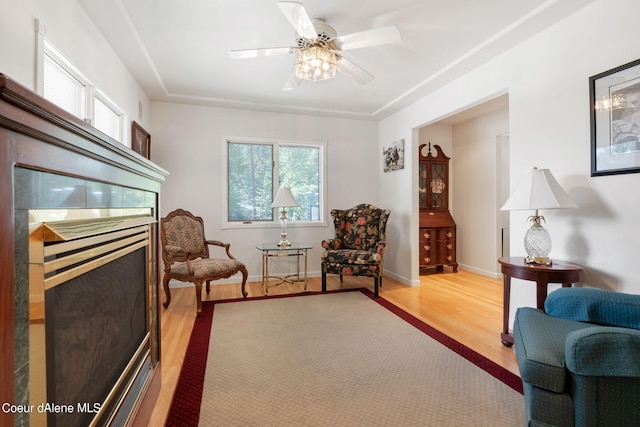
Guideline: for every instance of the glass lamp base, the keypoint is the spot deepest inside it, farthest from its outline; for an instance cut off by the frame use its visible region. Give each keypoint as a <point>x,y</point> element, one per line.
<point>537,245</point>
<point>538,260</point>
<point>284,243</point>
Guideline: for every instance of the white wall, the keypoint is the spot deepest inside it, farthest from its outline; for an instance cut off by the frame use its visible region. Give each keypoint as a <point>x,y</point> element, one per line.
<point>474,166</point>
<point>188,141</point>
<point>547,81</point>
<point>399,197</point>
<point>74,34</point>
<point>546,78</point>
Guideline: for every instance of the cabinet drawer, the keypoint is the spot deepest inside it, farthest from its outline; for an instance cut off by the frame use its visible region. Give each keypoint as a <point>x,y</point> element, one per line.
<point>446,258</point>
<point>437,246</point>
<point>446,246</point>
<point>426,256</point>
<point>426,234</point>
<point>446,234</point>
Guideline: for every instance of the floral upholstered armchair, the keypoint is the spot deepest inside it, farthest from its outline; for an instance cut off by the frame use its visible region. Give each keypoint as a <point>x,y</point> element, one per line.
<point>358,246</point>
<point>185,253</point>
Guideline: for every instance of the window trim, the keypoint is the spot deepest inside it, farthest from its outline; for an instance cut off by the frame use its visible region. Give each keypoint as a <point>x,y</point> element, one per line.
<point>224,205</point>
<point>122,116</point>
<point>54,53</point>
<point>45,47</point>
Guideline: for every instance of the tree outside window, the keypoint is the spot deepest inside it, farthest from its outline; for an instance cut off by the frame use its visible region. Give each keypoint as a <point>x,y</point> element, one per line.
<point>255,172</point>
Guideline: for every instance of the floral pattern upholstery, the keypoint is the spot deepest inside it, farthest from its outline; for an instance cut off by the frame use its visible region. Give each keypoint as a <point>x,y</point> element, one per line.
<point>357,249</point>
<point>204,267</point>
<point>184,235</point>
<point>185,253</point>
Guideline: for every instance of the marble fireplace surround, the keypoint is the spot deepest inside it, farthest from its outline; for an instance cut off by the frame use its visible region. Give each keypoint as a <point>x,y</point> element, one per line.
<point>43,149</point>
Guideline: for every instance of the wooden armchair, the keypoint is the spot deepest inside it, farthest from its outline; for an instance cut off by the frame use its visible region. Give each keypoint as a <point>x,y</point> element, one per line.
<point>185,253</point>
<point>358,246</point>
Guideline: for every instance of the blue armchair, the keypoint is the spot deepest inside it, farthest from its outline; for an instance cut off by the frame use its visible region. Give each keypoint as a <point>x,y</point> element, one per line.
<point>580,361</point>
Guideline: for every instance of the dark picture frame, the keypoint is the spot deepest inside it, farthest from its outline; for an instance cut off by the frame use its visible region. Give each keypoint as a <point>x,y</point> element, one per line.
<point>140,140</point>
<point>614,97</point>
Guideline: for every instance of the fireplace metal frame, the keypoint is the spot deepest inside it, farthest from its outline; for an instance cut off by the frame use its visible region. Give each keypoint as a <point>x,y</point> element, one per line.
<point>44,151</point>
<point>63,249</point>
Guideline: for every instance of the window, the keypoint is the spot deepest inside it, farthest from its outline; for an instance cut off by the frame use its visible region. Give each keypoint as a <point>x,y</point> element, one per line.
<point>256,169</point>
<point>107,118</point>
<point>250,182</point>
<point>64,85</point>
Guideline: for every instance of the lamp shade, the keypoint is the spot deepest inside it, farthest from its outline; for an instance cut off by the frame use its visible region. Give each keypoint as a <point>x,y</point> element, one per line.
<point>284,198</point>
<point>538,189</point>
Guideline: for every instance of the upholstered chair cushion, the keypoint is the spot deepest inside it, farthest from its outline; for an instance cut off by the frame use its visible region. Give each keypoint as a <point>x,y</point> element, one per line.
<point>205,267</point>
<point>352,263</point>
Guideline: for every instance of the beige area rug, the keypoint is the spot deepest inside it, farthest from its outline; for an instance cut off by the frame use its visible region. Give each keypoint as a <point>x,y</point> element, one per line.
<point>340,359</point>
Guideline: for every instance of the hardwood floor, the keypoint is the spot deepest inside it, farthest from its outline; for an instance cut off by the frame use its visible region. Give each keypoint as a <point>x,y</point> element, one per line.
<point>463,305</point>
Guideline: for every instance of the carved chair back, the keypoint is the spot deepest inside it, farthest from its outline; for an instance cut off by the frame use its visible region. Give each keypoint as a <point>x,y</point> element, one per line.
<point>181,229</point>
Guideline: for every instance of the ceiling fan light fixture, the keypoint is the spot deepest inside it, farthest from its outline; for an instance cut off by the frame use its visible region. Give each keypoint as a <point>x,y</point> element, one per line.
<point>315,63</point>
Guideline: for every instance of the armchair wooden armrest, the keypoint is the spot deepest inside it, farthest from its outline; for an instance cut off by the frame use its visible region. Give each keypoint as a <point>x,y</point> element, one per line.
<point>226,246</point>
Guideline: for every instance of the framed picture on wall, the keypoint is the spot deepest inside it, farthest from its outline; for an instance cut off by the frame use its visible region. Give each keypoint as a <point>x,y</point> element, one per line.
<point>140,140</point>
<point>393,156</point>
<point>615,120</point>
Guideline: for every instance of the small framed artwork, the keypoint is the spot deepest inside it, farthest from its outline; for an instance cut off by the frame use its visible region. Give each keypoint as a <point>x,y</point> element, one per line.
<point>393,156</point>
<point>614,97</point>
<point>140,140</point>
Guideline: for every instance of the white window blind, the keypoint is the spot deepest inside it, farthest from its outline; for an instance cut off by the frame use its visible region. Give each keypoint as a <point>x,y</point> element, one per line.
<point>107,119</point>
<point>67,87</point>
<point>63,88</point>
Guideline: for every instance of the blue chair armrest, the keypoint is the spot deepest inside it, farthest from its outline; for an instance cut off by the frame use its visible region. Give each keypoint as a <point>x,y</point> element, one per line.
<point>595,306</point>
<point>540,347</point>
<point>603,351</point>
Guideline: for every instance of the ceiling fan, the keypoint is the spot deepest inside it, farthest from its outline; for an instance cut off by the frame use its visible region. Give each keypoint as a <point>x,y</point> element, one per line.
<point>318,44</point>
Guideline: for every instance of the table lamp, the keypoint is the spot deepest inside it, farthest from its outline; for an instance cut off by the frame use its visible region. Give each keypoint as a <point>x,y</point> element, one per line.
<point>284,199</point>
<point>537,190</point>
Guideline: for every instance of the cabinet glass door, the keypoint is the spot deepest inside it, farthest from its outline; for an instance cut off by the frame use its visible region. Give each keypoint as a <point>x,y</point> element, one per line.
<point>437,186</point>
<point>423,197</point>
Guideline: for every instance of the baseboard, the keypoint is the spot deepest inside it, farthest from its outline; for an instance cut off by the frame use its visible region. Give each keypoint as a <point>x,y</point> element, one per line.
<point>402,279</point>
<point>480,271</point>
<point>258,278</point>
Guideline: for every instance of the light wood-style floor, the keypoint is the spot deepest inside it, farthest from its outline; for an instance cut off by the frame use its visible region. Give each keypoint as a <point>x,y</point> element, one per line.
<point>463,305</point>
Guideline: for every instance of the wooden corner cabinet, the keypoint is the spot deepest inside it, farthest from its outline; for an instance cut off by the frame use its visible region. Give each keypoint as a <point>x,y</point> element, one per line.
<point>437,227</point>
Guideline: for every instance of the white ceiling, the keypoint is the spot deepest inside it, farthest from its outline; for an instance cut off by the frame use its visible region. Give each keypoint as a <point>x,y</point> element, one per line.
<point>178,49</point>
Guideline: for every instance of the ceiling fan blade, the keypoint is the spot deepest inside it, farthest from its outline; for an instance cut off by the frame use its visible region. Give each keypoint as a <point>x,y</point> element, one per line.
<point>378,36</point>
<point>298,17</point>
<point>293,82</point>
<point>357,73</point>
<point>254,53</point>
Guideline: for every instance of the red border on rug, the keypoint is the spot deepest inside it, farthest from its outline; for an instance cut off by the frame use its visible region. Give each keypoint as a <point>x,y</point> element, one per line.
<point>185,404</point>
<point>489,366</point>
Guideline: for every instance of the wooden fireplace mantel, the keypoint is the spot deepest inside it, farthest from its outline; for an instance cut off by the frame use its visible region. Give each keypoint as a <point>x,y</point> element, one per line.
<point>38,136</point>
